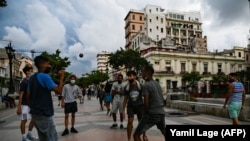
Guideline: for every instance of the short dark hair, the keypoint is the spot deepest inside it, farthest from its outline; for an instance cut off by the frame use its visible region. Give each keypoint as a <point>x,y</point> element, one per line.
<point>233,74</point>
<point>27,68</point>
<point>120,75</point>
<point>39,60</point>
<point>149,69</point>
<point>131,72</point>
<point>71,76</point>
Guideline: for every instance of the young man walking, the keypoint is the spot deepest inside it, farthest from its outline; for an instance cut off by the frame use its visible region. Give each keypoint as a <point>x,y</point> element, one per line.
<point>153,105</point>
<point>117,91</point>
<point>133,101</point>
<point>40,99</point>
<point>70,93</point>
<point>23,109</point>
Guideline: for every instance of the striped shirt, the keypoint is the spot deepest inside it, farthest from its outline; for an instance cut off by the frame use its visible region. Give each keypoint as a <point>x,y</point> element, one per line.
<point>237,93</point>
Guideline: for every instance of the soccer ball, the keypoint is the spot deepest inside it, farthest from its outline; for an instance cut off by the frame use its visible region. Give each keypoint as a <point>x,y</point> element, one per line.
<point>80,55</point>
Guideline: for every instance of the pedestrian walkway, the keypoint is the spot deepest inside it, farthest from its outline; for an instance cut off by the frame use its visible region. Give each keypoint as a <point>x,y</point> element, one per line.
<point>94,125</point>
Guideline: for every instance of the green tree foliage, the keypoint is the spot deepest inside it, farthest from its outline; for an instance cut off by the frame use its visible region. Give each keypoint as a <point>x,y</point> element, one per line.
<point>128,59</point>
<point>57,63</point>
<point>191,78</point>
<point>219,78</point>
<point>3,3</point>
<point>94,78</point>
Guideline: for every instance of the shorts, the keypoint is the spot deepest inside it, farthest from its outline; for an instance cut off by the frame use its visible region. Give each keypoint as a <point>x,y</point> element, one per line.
<point>46,128</point>
<point>117,105</point>
<point>234,109</point>
<point>25,115</point>
<point>132,110</point>
<point>70,107</point>
<point>149,120</point>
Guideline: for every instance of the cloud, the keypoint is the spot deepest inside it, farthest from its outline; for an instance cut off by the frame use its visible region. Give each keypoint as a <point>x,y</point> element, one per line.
<point>92,26</point>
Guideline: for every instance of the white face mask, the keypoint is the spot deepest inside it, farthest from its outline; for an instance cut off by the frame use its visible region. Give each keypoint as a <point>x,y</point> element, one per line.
<point>72,81</point>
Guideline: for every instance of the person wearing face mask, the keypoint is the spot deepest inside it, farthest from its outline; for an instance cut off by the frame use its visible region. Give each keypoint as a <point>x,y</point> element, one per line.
<point>23,108</point>
<point>133,101</point>
<point>40,99</point>
<point>117,91</point>
<point>70,93</point>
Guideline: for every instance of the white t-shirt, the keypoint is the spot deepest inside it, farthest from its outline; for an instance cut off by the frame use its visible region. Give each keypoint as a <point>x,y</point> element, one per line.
<point>70,93</point>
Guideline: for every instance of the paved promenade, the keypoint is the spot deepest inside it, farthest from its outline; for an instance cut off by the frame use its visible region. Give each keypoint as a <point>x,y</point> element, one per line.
<point>93,124</point>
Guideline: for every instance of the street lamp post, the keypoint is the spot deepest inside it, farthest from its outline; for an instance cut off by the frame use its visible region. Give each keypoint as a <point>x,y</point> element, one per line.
<point>11,54</point>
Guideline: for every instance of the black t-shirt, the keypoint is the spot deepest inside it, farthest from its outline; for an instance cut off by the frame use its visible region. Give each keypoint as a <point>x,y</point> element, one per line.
<point>134,95</point>
<point>23,88</point>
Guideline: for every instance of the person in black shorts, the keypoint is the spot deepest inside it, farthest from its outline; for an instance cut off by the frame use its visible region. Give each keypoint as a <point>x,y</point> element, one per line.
<point>70,93</point>
<point>134,101</point>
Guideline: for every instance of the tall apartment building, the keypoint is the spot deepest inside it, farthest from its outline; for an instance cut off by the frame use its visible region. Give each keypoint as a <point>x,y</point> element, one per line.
<point>173,43</point>
<point>102,59</point>
<point>152,26</point>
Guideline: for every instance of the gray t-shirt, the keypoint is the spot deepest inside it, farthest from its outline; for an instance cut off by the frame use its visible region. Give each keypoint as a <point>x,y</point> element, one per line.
<point>70,93</point>
<point>156,99</point>
<point>118,87</point>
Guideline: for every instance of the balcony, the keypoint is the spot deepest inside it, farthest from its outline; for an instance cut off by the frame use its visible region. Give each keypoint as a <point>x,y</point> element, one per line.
<point>206,73</point>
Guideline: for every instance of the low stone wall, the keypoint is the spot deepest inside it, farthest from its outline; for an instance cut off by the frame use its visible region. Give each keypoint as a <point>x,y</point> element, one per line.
<point>209,106</point>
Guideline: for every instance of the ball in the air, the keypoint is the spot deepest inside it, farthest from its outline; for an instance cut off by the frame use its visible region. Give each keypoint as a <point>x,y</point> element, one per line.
<point>80,55</point>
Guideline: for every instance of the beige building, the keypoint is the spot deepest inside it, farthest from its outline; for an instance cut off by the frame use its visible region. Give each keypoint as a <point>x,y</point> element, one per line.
<point>102,59</point>
<point>18,62</point>
<point>170,65</point>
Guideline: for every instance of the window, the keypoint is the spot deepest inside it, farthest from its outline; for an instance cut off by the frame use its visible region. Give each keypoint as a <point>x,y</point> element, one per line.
<point>219,68</point>
<point>150,30</point>
<point>157,27</point>
<point>133,17</point>
<point>194,66</point>
<point>168,69</point>
<point>149,10</point>
<point>205,67</point>
<point>247,57</point>
<point>140,28</point>
<point>150,20</point>
<point>239,54</point>
<point>161,20</point>
<point>157,62</point>
<point>161,30</point>
<point>133,27</point>
<point>183,67</point>
<point>140,18</point>
<point>157,18</point>
<point>168,62</point>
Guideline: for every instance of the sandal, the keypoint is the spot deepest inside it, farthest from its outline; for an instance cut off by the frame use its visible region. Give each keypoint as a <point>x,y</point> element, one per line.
<point>145,138</point>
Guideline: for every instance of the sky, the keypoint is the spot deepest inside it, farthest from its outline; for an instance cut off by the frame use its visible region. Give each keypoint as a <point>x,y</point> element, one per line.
<point>92,26</point>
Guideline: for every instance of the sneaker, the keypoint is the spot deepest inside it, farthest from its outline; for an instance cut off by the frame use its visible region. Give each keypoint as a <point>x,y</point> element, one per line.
<point>73,130</point>
<point>31,137</point>
<point>65,132</point>
<point>113,126</point>
<point>121,126</point>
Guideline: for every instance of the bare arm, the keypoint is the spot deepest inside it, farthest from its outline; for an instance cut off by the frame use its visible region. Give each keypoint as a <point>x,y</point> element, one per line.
<point>58,88</point>
<point>19,109</point>
<point>229,93</point>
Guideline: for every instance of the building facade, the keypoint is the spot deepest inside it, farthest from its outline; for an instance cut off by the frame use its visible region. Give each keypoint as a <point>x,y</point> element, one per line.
<point>170,65</point>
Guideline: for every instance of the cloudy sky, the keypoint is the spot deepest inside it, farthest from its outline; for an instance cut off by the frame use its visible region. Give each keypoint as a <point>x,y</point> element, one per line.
<point>92,26</point>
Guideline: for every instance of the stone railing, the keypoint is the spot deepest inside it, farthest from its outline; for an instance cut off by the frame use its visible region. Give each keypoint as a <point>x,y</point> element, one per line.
<point>210,106</point>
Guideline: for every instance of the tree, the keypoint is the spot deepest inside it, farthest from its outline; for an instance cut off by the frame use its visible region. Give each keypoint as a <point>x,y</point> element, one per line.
<point>3,3</point>
<point>57,63</point>
<point>128,59</point>
<point>191,77</point>
<point>95,77</point>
